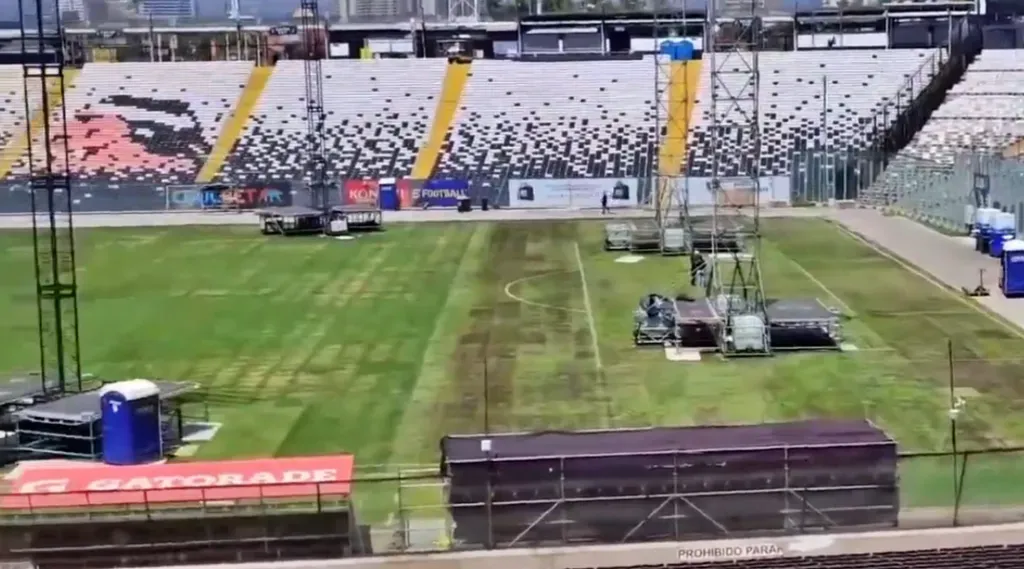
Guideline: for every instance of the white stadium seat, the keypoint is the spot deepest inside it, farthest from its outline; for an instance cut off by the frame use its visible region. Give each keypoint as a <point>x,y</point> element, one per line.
<point>12,103</point>
<point>378,114</point>
<point>588,119</point>
<point>145,122</point>
<point>984,112</point>
<point>824,101</point>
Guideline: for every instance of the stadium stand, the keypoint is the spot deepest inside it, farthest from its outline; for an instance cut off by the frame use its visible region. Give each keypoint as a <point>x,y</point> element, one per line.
<point>984,112</point>
<point>140,122</point>
<point>233,127</point>
<point>379,114</point>
<point>590,119</point>
<point>12,111</point>
<point>809,100</point>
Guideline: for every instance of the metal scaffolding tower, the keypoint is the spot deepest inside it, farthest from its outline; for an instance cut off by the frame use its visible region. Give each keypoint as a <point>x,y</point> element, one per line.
<point>671,119</point>
<point>314,43</point>
<point>734,33</point>
<point>49,183</point>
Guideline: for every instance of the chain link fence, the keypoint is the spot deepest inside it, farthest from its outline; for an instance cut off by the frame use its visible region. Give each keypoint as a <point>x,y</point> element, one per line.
<point>944,194</point>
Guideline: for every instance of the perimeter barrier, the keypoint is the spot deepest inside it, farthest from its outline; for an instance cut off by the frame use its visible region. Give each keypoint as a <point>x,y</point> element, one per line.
<point>943,193</point>
<point>813,177</point>
<point>406,511</point>
<point>96,198</point>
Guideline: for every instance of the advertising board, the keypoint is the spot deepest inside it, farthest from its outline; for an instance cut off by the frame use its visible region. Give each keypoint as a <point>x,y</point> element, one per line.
<point>440,193</point>
<point>229,197</point>
<point>360,192</point>
<point>572,193</point>
<point>734,192</point>
<point>181,482</point>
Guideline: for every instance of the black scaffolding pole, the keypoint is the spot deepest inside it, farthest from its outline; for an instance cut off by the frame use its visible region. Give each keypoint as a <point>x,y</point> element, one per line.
<point>49,182</point>
<point>314,43</point>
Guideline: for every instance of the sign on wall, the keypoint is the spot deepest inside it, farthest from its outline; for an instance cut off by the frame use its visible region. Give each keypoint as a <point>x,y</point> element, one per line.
<point>572,193</point>
<point>360,192</point>
<point>440,193</point>
<point>733,192</point>
<point>229,197</point>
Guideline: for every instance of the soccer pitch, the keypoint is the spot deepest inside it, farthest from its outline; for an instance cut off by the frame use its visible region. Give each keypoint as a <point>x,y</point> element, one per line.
<point>378,346</point>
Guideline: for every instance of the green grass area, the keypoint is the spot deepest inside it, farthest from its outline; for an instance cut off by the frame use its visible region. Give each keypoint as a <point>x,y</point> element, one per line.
<point>378,346</point>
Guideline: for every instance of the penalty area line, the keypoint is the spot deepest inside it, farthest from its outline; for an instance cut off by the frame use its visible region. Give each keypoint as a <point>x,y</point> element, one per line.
<point>588,308</point>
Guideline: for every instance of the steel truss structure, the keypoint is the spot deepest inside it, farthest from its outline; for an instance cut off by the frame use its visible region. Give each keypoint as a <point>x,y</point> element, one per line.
<point>314,46</point>
<point>734,37</point>
<point>671,119</point>
<point>53,235</point>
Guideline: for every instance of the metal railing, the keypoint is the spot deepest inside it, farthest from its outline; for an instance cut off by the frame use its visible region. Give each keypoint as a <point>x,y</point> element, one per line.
<point>940,193</point>
<point>936,489</point>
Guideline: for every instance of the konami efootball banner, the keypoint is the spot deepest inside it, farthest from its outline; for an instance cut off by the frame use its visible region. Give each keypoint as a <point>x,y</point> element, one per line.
<point>360,192</point>
<point>440,193</point>
<point>572,193</point>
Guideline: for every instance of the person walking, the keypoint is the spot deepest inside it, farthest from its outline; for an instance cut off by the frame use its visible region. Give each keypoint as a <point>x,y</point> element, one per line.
<point>604,204</point>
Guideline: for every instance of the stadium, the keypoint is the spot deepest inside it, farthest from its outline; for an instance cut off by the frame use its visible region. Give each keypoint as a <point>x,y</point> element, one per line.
<point>727,284</point>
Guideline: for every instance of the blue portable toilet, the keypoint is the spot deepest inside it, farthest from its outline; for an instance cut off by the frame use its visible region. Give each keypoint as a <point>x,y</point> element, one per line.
<point>983,226</point>
<point>131,422</point>
<point>1004,228</point>
<point>676,49</point>
<point>1012,263</point>
<point>389,198</point>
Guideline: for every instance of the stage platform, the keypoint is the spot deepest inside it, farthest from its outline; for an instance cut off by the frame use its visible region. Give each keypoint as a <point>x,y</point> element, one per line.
<point>698,311</point>
<point>81,408</point>
<point>730,231</point>
<point>645,235</point>
<point>359,217</point>
<point>290,220</point>
<point>25,390</point>
<point>794,324</point>
<point>798,310</point>
<point>70,426</point>
<point>726,223</point>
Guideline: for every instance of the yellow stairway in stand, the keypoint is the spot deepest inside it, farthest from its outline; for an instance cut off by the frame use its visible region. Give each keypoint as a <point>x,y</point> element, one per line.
<point>455,78</point>
<point>233,127</point>
<point>683,82</point>
<point>18,146</point>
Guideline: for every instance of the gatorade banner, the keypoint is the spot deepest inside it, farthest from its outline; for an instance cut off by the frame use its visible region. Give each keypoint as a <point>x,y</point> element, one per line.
<point>360,192</point>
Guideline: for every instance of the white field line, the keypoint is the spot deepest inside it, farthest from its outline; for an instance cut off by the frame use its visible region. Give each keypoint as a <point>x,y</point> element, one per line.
<point>846,307</point>
<point>588,308</point>
<point>513,284</point>
<point>934,281</point>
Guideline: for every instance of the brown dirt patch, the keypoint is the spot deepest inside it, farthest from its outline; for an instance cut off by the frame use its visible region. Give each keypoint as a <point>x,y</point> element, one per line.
<point>492,335</point>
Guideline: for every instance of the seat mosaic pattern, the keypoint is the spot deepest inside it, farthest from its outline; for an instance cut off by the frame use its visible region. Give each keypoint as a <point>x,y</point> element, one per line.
<point>984,112</point>
<point>809,100</point>
<point>591,119</point>
<point>378,114</point>
<point>12,103</point>
<point>146,122</point>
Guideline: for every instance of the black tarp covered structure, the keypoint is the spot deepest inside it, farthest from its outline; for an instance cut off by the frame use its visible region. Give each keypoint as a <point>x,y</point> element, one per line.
<point>613,486</point>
